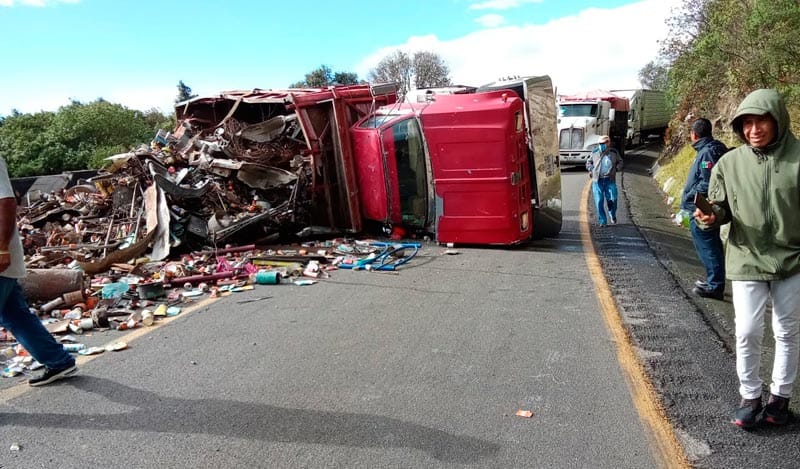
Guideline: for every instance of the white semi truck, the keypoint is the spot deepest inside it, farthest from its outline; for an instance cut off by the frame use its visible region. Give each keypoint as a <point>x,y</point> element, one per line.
<point>583,118</point>
<point>649,114</point>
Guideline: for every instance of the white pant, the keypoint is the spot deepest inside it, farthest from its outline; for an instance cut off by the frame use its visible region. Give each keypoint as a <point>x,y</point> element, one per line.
<point>749,303</point>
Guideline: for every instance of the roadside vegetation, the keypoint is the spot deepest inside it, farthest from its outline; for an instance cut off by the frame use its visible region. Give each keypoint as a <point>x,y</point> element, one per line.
<point>717,52</point>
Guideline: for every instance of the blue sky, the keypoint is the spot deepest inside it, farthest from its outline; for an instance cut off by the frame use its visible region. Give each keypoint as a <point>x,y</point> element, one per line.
<point>135,52</point>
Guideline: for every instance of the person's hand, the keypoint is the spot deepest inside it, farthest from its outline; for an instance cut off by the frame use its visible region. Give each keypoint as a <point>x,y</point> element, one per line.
<point>5,260</point>
<point>704,218</point>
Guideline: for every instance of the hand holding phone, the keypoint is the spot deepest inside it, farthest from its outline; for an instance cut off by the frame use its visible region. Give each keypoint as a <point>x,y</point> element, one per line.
<point>703,204</point>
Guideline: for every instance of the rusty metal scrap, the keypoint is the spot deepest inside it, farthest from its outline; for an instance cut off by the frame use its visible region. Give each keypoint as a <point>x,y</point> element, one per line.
<point>239,167</point>
<point>239,181</point>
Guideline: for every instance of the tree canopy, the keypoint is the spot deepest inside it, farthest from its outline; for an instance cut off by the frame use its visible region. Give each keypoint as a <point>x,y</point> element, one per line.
<point>78,136</point>
<point>717,51</point>
<point>324,76</point>
<point>184,92</point>
<point>423,69</point>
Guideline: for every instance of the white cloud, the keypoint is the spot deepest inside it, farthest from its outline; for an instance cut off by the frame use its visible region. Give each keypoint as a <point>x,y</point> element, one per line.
<point>490,21</point>
<point>500,4</point>
<point>597,48</point>
<point>34,3</point>
<point>145,98</point>
<point>142,98</point>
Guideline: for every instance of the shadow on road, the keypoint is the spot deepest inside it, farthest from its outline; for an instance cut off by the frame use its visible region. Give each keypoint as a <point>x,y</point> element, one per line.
<point>254,421</point>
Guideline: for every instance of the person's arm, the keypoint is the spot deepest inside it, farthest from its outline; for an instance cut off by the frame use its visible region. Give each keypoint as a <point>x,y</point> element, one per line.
<point>719,203</point>
<point>8,223</point>
<point>705,165</point>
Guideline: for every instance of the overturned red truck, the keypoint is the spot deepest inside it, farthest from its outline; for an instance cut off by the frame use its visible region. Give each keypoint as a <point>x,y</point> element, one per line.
<point>476,168</point>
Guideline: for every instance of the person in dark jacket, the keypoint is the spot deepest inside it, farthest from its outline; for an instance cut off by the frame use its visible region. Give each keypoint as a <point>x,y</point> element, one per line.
<point>756,188</point>
<point>707,243</point>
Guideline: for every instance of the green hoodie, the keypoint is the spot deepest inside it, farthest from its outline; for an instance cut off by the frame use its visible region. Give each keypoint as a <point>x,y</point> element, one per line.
<point>758,192</point>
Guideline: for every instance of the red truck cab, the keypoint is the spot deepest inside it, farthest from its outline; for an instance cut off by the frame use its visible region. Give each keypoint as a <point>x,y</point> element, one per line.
<point>455,166</point>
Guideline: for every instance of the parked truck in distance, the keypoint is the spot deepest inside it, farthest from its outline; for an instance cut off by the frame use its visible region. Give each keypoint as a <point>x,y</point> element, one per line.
<point>583,118</point>
<point>649,114</point>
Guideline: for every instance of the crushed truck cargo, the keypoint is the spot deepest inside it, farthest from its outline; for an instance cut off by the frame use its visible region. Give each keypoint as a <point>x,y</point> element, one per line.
<point>261,166</point>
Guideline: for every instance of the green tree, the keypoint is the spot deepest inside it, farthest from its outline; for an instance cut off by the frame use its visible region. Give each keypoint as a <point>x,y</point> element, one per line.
<point>324,76</point>
<point>654,76</point>
<point>78,136</point>
<point>184,92</point>
<point>717,51</point>
<point>345,78</point>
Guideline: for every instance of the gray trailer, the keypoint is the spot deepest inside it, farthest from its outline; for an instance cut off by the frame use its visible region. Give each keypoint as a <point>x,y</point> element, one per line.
<point>649,114</point>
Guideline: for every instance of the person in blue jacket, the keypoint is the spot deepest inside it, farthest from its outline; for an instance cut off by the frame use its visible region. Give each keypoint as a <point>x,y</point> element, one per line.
<point>603,164</point>
<point>707,243</point>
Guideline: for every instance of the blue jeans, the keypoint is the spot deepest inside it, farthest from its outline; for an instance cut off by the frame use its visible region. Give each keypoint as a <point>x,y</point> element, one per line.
<point>604,191</point>
<point>709,249</point>
<point>27,327</point>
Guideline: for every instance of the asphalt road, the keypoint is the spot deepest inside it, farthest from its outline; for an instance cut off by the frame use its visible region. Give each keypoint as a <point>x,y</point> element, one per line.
<point>425,368</point>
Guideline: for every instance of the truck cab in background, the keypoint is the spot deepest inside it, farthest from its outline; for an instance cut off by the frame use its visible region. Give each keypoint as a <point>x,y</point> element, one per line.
<point>584,118</point>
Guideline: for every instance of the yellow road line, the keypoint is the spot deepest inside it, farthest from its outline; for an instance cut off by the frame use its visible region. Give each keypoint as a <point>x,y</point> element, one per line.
<point>133,334</point>
<point>668,450</point>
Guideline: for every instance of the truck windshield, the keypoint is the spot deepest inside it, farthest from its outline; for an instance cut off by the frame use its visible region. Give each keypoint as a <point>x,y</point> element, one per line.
<point>577,110</point>
<point>411,171</point>
<point>375,121</point>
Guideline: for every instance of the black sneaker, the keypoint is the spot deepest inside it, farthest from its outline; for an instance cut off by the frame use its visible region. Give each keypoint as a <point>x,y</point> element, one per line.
<point>746,414</point>
<point>706,293</point>
<point>701,284</point>
<point>51,375</point>
<point>777,410</point>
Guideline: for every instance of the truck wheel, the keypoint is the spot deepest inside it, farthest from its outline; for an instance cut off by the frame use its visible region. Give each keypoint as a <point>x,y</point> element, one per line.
<point>546,223</point>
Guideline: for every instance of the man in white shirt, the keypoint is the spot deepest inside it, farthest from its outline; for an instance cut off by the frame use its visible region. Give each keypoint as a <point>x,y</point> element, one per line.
<point>15,315</point>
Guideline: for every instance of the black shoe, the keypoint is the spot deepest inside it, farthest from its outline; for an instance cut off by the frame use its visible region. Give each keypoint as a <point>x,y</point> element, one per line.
<point>51,375</point>
<point>706,293</point>
<point>777,410</point>
<point>701,284</point>
<point>746,415</point>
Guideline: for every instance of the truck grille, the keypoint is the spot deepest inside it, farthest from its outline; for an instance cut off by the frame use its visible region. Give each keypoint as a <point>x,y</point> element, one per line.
<point>570,139</point>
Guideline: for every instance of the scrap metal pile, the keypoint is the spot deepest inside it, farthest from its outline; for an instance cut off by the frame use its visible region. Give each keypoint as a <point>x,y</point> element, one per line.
<point>240,167</point>
<point>195,187</point>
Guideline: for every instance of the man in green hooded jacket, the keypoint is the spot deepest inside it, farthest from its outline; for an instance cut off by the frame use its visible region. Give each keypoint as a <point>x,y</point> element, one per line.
<point>756,188</point>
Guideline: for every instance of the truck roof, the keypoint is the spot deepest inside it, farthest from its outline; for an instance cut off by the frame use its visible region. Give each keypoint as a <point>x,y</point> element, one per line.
<point>620,103</point>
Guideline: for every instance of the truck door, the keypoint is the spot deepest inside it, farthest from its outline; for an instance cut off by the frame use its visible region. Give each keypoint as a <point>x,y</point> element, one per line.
<point>394,177</point>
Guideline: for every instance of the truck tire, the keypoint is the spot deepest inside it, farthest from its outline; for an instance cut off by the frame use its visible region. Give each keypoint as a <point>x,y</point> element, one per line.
<point>546,223</point>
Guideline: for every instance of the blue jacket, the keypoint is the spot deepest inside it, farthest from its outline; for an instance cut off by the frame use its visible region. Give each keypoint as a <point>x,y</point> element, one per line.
<point>709,152</point>
<point>593,163</point>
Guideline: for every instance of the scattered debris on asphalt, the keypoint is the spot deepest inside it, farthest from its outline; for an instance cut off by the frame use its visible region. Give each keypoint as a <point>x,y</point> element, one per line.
<point>244,192</point>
